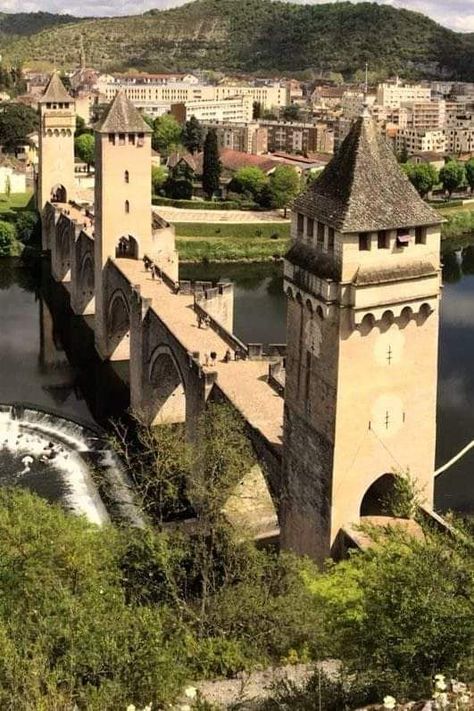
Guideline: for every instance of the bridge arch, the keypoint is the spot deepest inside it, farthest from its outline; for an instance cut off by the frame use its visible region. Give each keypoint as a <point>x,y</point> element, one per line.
<point>118,323</point>
<point>86,277</point>
<point>168,397</point>
<point>376,500</point>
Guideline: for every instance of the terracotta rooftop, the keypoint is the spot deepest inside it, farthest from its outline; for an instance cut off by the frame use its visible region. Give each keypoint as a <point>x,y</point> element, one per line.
<point>234,160</point>
<point>363,189</point>
<point>122,116</point>
<point>55,91</point>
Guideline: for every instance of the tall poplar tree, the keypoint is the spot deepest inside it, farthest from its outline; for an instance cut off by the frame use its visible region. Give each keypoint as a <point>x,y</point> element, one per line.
<point>212,167</point>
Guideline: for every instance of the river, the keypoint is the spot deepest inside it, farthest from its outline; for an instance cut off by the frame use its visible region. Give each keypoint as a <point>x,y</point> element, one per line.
<point>47,357</point>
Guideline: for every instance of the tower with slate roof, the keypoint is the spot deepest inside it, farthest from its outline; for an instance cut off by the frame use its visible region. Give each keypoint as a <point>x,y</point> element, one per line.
<point>56,144</point>
<point>363,283</point>
<point>122,224</point>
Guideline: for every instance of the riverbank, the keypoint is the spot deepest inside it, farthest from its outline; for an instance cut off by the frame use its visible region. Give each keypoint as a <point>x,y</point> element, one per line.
<point>258,242</point>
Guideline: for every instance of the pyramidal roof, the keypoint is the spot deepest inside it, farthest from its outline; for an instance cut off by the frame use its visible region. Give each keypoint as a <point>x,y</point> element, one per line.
<point>55,91</point>
<point>122,117</point>
<point>363,189</point>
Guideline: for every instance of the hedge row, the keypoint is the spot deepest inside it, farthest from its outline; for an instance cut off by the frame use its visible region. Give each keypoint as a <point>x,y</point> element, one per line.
<point>204,205</point>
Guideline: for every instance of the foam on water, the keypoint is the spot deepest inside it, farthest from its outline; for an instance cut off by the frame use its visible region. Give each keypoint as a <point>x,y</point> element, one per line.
<point>55,458</point>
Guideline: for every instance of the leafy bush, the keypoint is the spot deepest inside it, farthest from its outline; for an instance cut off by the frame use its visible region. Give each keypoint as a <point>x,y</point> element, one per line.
<point>8,240</point>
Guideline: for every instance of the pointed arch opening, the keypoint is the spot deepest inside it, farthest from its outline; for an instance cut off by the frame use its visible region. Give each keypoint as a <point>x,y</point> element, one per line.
<point>118,327</point>
<point>127,248</point>
<point>376,501</point>
<point>58,193</point>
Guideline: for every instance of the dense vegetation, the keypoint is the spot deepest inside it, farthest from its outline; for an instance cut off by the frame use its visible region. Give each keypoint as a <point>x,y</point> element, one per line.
<point>100,618</point>
<point>253,35</point>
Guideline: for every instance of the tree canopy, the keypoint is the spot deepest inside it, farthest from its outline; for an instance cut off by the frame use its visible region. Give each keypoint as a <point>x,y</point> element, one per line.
<point>167,134</point>
<point>193,135</point>
<point>212,166</point>
<point>84,147</point>
<point>16,123</point>
<point>423,176</point>
<point>452,176</point>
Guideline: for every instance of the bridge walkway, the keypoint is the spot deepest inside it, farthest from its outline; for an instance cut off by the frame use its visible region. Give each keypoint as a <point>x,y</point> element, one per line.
<point>243,382</point>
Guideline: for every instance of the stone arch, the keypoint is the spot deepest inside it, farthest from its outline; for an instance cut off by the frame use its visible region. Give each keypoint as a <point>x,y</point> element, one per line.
<point>118,320</point>
<point>309,306</point>
<point>299,299</point>
<point>388,318</point>
<point>289,293</point>
<point>405,316</point>
<point>367,324</point>
<point>86,277</point>
<point>319,312</point>
<point>425,311</point>
<point>127,248</point>
<point>168,399</point>
<point>58,193</point>
<point>376,500</point>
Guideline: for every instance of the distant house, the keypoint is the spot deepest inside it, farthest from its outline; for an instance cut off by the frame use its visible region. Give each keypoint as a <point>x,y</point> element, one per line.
<point>435,159</point>
<point>232,161</point>
<point>12,177</point>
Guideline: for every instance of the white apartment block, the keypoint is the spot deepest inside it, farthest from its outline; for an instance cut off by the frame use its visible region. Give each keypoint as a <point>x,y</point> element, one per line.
<point>395,95</point>
<point>426,114</point>
<point>157,93</point>
<point>236,109</point>
<point>420,140</point>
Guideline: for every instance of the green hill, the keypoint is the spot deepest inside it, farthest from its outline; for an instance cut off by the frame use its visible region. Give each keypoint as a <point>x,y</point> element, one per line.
<point>28,23</point>
<point>253,35</point>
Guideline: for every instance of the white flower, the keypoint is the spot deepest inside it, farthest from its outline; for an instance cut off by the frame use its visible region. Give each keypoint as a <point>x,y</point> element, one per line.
<point>439,677</point>
<point>190,692</point>
<point>185,707</point>
<point>440,685</point>
<point>389,702</point>
<point>131,707</point>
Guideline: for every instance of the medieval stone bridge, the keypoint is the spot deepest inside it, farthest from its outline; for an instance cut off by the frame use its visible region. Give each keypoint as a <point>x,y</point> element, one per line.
<point>168,331</point>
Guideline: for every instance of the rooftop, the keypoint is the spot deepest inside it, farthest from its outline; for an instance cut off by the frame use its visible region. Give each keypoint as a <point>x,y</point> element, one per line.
<point>55,91</point>
<point>122,116</point>
<point>363,189</point>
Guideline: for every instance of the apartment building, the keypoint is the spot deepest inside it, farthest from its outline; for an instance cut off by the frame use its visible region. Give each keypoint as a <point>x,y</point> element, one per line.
<point>425,114</point>
<point>294,137</point>
<point>421,140</point>
<point>241,137</point>
<point>394,95</point>
<point>234,109</point>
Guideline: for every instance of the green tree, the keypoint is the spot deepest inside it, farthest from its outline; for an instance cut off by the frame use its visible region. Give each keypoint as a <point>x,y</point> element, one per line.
<point>470,173</point>
<point>249,180</point>
<point>159,174</point>
<point>212,167</point>
<point>167,134</point>
<point>452,176</point>
<point>256,110</point>
<point>28,227</point>
<point>16,123</point>
<point>284,186</point>
<point>193,135</point>
<point>80,126</point>
<point>423,176</point>
<point>8,240</point>
<point>291,113</point>
<point>84,148</point>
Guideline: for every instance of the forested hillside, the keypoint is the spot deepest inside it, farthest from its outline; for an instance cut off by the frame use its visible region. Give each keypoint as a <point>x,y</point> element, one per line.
<point>253,35</point>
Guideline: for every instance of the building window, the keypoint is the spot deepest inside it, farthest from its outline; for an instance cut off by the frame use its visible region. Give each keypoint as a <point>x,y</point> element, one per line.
<point>127,206</point>
<point>300,225</point>
<point>403,237</point>
<point>310,227</point>
<point>382,240</point>
<point>131,139</point>
<point>121,139</point>
<point>420,235</point>
<point>330,239</point>
<point>127,176</point>
<point>364,242</point>
<point>320,235</point>
<point>112,138</point>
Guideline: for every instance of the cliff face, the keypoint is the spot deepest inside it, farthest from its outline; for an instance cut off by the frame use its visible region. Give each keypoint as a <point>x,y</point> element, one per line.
<point>251,35</point>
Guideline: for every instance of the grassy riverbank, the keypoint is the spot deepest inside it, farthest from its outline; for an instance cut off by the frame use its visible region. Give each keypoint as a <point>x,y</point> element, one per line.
<point>231,242</point>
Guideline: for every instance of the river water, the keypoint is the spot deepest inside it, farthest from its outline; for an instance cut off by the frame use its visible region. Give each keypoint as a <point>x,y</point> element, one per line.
<point>47,357</point>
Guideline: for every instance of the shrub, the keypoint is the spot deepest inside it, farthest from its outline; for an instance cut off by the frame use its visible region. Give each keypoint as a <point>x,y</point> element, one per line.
<point>8,240</point>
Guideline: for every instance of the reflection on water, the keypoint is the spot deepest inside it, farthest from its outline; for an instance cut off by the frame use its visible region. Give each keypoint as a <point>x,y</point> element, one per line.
<point>47,354</point>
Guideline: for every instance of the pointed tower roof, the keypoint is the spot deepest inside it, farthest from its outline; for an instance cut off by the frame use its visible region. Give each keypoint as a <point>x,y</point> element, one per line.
<point>122,117</point>
<point>363,189</point>
<point>55,91</point>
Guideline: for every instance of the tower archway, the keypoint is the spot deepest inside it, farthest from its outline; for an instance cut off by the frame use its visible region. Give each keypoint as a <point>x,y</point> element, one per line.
<point>58,193</point>
<point>127,248</point>
<point>168,399</point>
<point>376,500</point>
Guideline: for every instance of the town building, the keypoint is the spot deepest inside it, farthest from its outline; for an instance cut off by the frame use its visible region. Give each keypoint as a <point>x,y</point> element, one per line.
<point>425,114</point>
<point>233,109</point>
<point>249,137</point>
<point>395,94</point>
<point>295,137</point>
<point>421,140</point>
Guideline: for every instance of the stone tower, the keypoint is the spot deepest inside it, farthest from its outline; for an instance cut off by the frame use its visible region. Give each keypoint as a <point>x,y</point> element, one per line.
<point>363,283</point>
<point>56,145</point>
<point>122,224</point>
